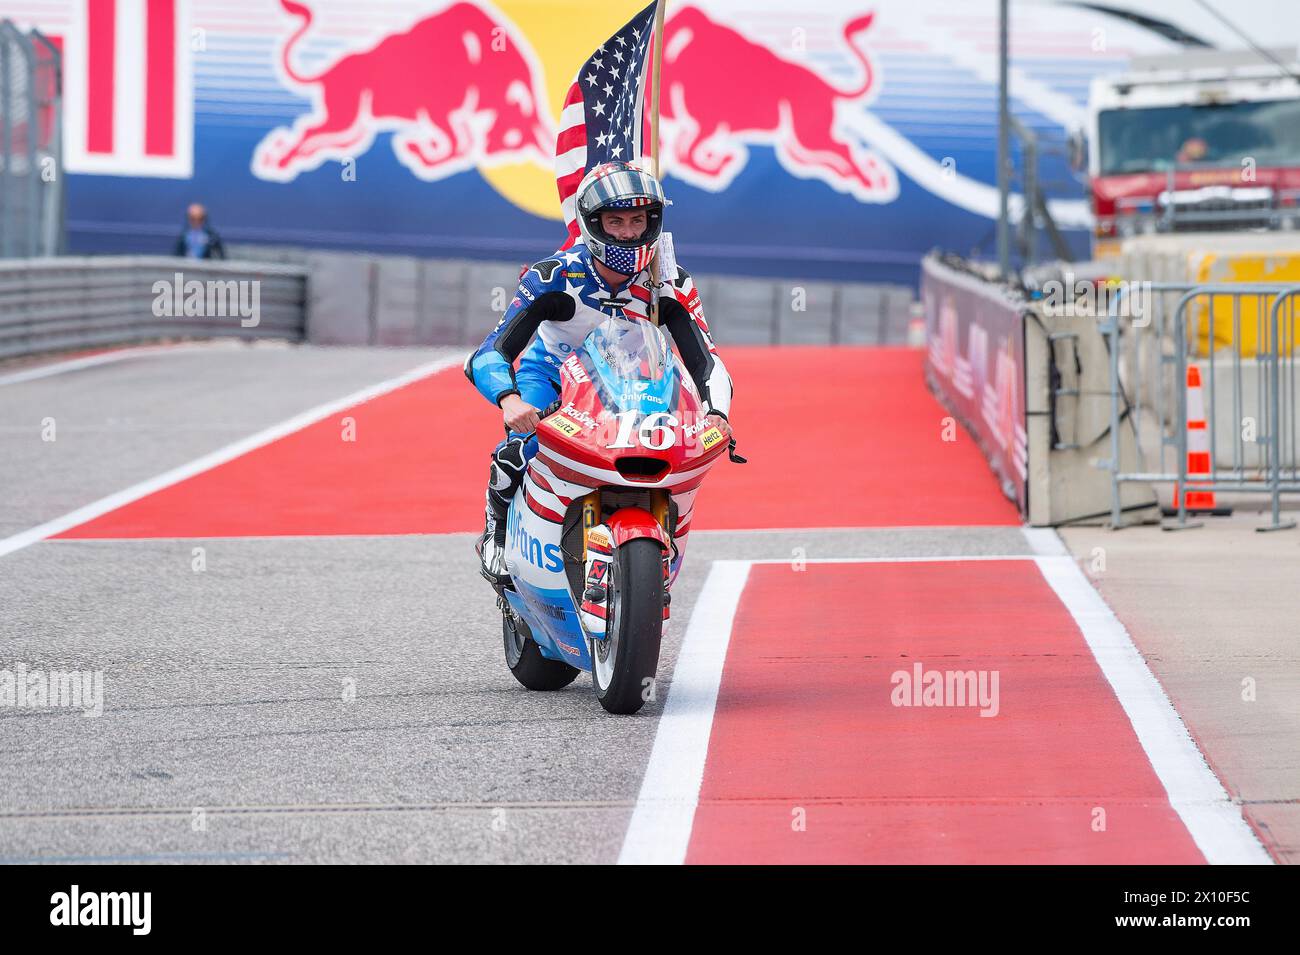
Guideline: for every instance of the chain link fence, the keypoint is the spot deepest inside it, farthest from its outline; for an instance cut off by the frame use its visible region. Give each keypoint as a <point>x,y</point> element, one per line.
<point>31,154</point>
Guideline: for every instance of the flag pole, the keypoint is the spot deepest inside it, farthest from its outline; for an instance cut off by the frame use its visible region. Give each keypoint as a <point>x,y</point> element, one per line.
<point>656,73</point>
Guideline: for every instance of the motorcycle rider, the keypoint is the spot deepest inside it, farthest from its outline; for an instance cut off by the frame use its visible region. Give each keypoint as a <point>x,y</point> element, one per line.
<point>560,300</point>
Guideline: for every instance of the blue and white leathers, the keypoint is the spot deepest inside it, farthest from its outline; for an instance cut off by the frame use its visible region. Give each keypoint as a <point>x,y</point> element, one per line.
<point>559,301</point>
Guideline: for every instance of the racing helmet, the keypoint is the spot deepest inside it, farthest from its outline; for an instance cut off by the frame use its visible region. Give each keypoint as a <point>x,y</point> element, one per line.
<point>620,185</point>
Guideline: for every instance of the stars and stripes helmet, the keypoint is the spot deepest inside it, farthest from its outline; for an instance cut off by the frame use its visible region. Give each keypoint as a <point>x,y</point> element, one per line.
<point>620,185</point>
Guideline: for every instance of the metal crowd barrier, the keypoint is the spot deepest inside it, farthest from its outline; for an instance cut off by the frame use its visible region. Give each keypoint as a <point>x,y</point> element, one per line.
<point>1150,350</point>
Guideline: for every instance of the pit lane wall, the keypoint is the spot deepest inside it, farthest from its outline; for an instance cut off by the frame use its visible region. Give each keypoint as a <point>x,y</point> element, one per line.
<point>1031,387</point>
<point>975,359</point>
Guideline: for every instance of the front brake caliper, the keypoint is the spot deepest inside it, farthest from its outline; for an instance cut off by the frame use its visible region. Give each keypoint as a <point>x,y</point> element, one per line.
<point>595,587</point>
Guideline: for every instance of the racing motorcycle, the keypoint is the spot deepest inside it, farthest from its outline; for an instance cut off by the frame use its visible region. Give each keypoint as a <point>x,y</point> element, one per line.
<point>591,548</point>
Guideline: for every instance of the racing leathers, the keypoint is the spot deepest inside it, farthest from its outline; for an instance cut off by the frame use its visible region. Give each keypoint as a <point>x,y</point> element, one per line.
<point>559,301</point>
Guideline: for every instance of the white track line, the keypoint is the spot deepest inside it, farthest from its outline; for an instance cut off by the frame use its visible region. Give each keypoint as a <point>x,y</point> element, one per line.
<point>105,358</point>
<point>660,829</point>
<point>937,559</point>
<point>1211,817</point>
<point>231,451</point>
<point>1045,542</point>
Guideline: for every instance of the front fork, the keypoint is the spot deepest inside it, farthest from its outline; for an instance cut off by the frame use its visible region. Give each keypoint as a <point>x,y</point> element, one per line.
<point>598,543</point>
<point>591,515</point>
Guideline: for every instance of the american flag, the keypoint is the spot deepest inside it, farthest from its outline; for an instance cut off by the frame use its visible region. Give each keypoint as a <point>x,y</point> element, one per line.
<point>604,112</point>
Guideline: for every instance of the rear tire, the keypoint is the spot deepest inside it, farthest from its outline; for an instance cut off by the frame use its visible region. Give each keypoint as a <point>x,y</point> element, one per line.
<point>634,628</point>
<point>526,662</point>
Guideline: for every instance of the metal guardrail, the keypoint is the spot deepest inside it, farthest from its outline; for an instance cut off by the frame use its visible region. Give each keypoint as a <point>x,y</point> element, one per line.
<point>1156,363</point>
<point>369,299</point>
<point>73,302</point>
<point>70,302</point>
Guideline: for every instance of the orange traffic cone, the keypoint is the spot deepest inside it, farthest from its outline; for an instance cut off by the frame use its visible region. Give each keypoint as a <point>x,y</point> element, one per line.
<point>1198,446</point>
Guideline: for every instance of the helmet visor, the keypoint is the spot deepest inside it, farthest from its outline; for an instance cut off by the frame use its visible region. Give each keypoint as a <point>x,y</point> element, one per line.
<point>619,185</point>
<point>629,190</point>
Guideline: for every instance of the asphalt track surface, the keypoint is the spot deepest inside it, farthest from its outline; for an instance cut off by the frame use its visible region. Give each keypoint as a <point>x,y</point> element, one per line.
<point>330,686</point>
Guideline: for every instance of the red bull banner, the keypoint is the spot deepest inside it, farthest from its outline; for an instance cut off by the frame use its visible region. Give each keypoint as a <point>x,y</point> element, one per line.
<point>975,364</point>
<point>833,139</point>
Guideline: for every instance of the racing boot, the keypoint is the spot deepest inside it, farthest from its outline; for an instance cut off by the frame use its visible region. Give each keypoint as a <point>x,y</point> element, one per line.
<point>504,475</point>
<point>491,545</point>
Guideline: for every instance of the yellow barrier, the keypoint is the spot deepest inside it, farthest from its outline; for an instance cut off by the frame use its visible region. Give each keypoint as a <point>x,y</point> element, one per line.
<point>1214,267</point>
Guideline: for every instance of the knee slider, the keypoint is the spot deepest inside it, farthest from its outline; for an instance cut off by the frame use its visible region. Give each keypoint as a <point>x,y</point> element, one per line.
<point>508,465</point>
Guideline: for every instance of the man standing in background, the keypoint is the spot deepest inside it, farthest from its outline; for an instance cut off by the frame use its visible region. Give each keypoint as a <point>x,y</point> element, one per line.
<point>199,240</point>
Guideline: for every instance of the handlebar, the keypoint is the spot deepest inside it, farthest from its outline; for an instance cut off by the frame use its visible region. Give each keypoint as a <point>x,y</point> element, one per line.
<point>549,410</point>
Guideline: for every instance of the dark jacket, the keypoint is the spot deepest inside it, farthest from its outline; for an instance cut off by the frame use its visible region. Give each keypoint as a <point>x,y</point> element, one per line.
<point>213,250</point>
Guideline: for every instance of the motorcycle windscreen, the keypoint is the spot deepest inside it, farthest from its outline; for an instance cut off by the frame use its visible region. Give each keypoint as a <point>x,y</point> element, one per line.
<point>634,368</point>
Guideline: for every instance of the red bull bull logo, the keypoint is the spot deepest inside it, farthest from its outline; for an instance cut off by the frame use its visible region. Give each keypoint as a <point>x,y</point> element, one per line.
<point>459,90</point>
<point>723,91</point>
<point>462,89</point>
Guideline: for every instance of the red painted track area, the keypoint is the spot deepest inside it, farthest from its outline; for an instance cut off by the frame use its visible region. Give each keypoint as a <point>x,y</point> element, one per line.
<point>836,437</point>
<point>417,465</point>
<point>805,720</point>
<point>806,728</point>
<point>845,437</point>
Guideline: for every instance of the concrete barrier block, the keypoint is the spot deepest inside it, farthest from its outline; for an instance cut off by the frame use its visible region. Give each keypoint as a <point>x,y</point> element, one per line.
<point>443,298</point>
<point>864,315</point>
<point>490,286</point>
<point>397,302</point>
<point>805,312</point>
<point>744,312</point>
<point>340,299</point>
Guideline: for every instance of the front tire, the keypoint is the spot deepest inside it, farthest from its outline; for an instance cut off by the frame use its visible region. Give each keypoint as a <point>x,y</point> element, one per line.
<point>623,665</point>
<point>526,662</point>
